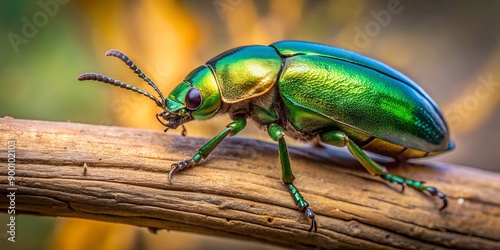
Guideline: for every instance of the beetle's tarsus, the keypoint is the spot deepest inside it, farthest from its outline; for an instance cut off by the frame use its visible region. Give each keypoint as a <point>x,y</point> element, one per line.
<point>310,214</point>
<point>416,185</point>
<point>390,178</point>
<point>434,192</point>
<point>176,167</point>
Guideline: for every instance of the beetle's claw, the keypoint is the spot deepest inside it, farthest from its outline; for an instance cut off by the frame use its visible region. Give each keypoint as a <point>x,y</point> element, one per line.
<point>310,214</point>
<point>174,169</point>
<point>403,185</point>
<point>184,130</point>
<point>314,225</point>
<point>434,192</point>
<point>178,166</point>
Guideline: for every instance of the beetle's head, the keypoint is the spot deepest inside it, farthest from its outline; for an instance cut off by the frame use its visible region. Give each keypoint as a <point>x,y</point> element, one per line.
<point>196,98</point>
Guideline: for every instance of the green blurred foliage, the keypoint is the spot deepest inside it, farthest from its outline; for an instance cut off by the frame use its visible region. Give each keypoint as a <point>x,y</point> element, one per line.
<point>39,80</point>
<point>32,232</point>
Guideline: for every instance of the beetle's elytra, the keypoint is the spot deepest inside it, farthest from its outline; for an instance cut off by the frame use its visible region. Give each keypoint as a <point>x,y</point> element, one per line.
<point>306,91</point>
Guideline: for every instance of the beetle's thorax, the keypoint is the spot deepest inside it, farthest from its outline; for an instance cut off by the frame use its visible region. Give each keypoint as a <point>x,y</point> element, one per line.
<point>246,72</point>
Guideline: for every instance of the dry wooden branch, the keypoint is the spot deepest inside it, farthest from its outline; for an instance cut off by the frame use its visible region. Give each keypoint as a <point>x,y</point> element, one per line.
<point>237,192</point>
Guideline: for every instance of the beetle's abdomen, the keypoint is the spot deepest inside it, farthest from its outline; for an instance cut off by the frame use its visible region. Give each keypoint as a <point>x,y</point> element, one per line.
<point>246,72</point>
<point>371,107</point>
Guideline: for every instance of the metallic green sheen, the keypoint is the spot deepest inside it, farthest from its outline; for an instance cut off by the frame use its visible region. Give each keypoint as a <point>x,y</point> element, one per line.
<point>361,98</point>
<point>297,197</point>
<point>175,100</point>
<point>246,72</point>
<point>203,79</point>
<point>291,48</point>
<point>275,131</point>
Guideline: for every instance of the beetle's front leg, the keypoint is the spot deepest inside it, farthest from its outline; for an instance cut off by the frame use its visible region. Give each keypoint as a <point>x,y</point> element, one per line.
<point>276,133</point>
<point>232,128</point>
<point>340,139</point>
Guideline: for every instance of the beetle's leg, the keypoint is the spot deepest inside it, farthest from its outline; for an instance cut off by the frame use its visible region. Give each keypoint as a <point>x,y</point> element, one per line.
<point>276,133</point>
<point>232,128</point>
<point>340,139</point>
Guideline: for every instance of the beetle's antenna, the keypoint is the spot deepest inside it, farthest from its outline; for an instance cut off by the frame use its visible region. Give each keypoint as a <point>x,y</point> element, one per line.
<point>136,70</point>
<point>109,80</point>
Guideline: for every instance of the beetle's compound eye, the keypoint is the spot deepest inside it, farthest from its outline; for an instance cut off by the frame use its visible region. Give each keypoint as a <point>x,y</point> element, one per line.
<point>193,99</point>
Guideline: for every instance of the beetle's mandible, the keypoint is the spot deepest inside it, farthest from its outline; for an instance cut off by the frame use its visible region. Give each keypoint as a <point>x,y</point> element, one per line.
<point>307,91</point>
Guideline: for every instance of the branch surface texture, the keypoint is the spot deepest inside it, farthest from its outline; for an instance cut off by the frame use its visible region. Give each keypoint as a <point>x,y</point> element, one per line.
<point>237,192</point>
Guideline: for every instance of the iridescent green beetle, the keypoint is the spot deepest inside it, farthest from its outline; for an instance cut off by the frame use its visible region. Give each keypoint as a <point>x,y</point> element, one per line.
<point>307,91</point>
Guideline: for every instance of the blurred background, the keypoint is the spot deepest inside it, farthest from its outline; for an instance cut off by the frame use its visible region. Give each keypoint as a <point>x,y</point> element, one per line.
<point>451,48</point>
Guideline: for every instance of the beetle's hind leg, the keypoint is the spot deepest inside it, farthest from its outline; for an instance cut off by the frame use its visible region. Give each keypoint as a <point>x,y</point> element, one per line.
<point>340,139</point>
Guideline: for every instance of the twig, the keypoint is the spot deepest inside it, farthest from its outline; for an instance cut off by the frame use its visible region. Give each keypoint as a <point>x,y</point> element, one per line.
<point>120,175</point>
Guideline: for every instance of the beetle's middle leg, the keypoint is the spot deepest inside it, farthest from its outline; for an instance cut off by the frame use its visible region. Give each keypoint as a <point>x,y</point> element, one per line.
<point>277,134</point>
<point>340,139</point>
